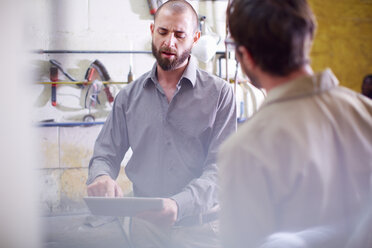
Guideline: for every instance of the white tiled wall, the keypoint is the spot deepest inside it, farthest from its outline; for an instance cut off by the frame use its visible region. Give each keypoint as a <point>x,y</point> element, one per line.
<point>49,147</point>
<point>76,145</point>
<point>65,153</point>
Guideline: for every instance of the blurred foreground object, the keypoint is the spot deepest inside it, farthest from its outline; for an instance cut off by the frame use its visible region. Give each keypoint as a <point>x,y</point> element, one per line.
<point>19,217</point>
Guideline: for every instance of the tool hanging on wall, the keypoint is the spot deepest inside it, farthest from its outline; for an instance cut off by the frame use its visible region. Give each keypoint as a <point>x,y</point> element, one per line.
<point>97,73</point>
<point>94,89</point>
<point>104,75</point>
<point>154,5</point>
<point>59,66</point>
<point>54,78</point>
<point>130,77</point>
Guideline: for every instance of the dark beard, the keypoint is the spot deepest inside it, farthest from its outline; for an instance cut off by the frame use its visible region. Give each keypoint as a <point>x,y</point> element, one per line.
<point>166,64</point>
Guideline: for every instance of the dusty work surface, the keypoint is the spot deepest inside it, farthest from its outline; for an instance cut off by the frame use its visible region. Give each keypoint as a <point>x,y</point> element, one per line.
<point>72,231</point>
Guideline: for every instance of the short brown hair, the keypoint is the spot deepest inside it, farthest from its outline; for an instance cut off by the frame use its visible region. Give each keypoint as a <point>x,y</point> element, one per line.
<point>276,33</point>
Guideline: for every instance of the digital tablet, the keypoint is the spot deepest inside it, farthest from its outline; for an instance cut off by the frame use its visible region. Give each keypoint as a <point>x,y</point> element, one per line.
<point>122,206</point>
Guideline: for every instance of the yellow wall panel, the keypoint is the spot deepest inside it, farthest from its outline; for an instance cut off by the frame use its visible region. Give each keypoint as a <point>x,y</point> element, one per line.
<point>343,39</point>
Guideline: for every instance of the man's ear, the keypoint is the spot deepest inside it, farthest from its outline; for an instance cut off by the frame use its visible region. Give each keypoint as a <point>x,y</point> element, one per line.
<point>196,37</point>
<point>245,57</point>
<point>152,28</point>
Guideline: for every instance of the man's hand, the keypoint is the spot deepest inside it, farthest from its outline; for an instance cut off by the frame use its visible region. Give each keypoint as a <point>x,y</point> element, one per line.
<point>165,217</point>
<point>104,186</point>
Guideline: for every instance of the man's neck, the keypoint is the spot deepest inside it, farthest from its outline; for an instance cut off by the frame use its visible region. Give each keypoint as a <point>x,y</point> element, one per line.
<point>170,78</point>
<point>269,81</point>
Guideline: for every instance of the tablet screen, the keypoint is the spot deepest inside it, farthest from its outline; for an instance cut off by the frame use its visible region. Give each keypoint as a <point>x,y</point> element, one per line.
<point>122,206</point>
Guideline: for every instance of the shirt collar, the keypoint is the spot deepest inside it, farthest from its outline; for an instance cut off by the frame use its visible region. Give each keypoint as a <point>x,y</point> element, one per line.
<point>299,87</point>
<point>189,73</point>
<point>151,77</point>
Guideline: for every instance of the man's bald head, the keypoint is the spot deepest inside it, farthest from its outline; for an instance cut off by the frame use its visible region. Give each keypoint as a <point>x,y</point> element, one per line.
<point>179,7</point>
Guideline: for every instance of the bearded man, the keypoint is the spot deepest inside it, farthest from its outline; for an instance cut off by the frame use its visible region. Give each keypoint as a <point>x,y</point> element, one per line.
<point>174,118</point>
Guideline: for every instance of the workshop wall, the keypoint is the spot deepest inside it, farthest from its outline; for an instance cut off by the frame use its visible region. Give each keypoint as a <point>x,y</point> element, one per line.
<point>96,25</point>
<point>87,25</point>
<point>344,39</point>
<point>63,167</point>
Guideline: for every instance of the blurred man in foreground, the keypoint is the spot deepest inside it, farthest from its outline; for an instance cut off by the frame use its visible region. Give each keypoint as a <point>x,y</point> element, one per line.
<point>300,168</point>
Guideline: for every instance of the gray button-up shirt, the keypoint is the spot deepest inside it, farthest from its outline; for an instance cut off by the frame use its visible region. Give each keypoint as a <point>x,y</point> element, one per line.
<point>174,144</point>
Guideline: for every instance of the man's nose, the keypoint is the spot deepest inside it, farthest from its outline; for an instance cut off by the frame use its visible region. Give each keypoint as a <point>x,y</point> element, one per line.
<point>171,40</point>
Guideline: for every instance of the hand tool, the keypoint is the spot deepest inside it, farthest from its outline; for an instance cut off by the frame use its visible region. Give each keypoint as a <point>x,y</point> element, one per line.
<point>59,66</point>
<point>54,78</point>
<point>104,75</point>
<point>153,6</point>
<point>56,65</point>
<point>96,73</point>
